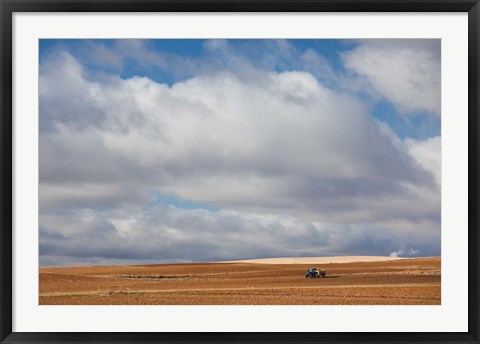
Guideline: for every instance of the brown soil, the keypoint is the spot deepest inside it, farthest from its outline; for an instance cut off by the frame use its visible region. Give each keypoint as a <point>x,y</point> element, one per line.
<point>398,282</point>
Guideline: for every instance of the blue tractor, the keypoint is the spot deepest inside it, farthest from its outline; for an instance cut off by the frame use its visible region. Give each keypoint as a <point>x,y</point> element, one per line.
<point>314,273</point>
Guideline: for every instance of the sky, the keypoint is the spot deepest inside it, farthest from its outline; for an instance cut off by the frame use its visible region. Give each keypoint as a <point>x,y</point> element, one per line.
<point>172,151</point>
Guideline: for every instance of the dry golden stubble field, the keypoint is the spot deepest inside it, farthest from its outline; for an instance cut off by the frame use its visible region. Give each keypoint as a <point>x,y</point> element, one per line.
<point>397,282</point>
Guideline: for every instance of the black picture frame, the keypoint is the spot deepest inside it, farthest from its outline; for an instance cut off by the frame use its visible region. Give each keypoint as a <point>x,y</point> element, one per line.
<point>9,7</point>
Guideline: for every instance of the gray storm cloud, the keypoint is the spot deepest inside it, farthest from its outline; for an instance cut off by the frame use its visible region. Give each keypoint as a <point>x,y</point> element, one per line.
<point>295,168</point>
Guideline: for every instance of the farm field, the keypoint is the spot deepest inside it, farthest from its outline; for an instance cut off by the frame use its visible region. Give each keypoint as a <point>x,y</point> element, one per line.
<point>383,282</point>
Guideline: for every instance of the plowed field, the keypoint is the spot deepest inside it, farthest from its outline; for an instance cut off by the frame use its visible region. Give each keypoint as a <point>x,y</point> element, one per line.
<point>396,282</point>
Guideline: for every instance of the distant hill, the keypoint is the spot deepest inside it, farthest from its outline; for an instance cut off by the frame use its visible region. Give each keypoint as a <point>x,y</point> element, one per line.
<point>315,260</point>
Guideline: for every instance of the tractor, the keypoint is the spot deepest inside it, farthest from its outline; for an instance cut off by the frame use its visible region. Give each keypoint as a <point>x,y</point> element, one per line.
<point>314,273</point>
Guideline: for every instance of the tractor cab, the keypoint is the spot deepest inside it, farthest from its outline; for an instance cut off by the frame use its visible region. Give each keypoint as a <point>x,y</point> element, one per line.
<point>314,273</point>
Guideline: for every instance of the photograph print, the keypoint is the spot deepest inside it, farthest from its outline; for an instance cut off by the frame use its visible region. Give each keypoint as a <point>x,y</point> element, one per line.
<point>239,172</point>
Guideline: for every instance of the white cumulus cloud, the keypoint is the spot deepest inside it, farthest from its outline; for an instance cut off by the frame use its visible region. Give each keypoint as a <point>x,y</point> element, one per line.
<point>405,72</point>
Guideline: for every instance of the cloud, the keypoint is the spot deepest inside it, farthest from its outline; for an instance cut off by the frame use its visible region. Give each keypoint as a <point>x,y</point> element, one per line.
<point>294,137</point>
<point>295,167</point>
<point>428,153</point>
<point>405,72</point>
<point>405,253</point>
<point>169,234</point>
<point>143,58</point>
